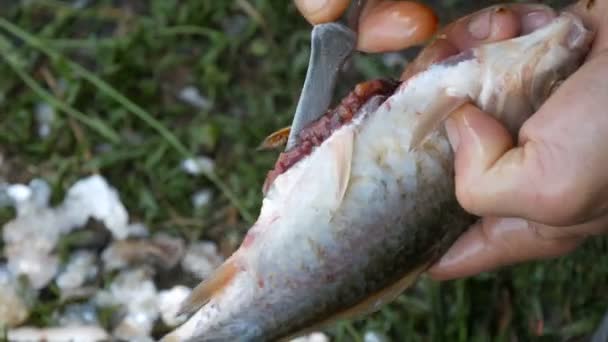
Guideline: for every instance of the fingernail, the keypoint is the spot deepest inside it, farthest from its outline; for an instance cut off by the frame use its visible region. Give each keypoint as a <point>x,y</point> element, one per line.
<point>309,7</point>
<point>535,19</point>
<point>453,133</point>
<point>480,24</point>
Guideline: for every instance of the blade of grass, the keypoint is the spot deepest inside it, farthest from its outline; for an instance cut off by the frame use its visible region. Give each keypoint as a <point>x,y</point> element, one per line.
<point>101,12</point>
<point>138,111</point>
<point>348,325</point>
<point>190,30</point>
<point>86,43</point>
<point>93,123</point>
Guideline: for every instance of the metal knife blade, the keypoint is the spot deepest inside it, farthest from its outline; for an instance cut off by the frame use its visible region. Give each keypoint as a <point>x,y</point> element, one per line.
<point>331,45</point>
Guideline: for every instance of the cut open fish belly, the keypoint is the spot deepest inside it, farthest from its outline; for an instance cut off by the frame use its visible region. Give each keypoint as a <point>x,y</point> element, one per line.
<point>352,224</point>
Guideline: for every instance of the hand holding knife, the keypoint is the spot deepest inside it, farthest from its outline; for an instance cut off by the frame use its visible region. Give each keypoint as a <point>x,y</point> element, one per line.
<point>385,26</point>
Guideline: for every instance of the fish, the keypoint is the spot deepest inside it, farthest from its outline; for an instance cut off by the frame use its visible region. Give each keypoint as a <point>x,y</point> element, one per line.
<point>365,203</point>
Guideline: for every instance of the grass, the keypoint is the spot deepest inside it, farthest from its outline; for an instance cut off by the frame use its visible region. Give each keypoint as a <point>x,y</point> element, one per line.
<point>112,71</point>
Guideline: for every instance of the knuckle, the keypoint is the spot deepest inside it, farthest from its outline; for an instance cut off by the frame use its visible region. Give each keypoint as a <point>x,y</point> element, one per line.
<point>467,196</point>
<point>562,201</point>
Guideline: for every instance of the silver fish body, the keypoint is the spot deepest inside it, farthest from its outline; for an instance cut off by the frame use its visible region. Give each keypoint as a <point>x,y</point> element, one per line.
<point>350,226</point>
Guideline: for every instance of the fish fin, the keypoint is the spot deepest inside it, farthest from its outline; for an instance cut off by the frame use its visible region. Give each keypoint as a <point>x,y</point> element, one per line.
<point>376,300</point>
<point>343,156</point>
<point>236,330</point>
<point>438,110</point>
<point>276,139</point>
<point>368,305</point>
<point>208,288</point>
<point>233,330</point>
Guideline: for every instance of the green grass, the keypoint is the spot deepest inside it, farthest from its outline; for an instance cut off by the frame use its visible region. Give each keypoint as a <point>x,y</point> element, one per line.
<point>123,63</point>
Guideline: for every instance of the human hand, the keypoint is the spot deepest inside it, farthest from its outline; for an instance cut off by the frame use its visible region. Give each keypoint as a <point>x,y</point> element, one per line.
<point>541,196</point>
<point>538,180</point>
<point>383,25</point>
<point>394,25</point>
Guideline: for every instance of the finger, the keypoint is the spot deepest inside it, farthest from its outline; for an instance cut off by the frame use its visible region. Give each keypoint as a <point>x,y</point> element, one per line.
<point>438,50</point>
<point>593,14</point>
<point>495,242</point>
<point>556,175</point>
<point>485,26</point>
<point>321,11</point>
<point>497,23</point>
<point>478,140</point>
<point>394,25</point>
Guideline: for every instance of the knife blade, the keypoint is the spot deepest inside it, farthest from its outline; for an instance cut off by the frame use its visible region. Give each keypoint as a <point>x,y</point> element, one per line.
<point>332,44</point>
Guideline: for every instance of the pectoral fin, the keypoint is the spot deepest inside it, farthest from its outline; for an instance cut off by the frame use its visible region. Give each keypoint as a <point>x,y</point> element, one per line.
<point>342,149</point>
<point>438,110</point>
<point>370,304</point>
<point>376,300</point>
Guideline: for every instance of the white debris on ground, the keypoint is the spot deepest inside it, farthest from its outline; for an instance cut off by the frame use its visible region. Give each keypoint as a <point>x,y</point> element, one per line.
<point>192,96</point>
<point>29,198</point>
<point>33,260</point>
<point>170,301</point>
<point>31,237</point>
<point>45,115</point>
<point>136,293</point>
<point>312,337</point>
<point>198,165</point>
<point>80,268</point>
<point>201,259</point>
<point>373,336</point>
<point>78,314</point>
<point>94,198</point>
<point>133,258</point>
<point>76,333</point>
<point>201,198</point>
<point>13,309</point>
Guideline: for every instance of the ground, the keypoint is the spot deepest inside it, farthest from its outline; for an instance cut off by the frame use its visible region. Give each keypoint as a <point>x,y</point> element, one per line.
<point>114,70</point>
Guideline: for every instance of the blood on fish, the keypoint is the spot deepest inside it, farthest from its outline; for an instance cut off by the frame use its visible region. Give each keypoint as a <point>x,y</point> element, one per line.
<point>249,238</point>
<point>318,131</point>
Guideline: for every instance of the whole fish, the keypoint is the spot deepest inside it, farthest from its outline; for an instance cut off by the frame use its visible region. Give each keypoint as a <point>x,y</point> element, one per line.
<point>365,202</point>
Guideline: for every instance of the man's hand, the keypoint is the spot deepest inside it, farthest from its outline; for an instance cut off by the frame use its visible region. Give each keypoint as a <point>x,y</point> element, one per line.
<point>541,195</point>
<point>383,26</point>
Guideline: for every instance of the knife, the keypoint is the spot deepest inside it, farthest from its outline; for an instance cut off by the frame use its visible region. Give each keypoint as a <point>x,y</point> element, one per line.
<point>332,44</point>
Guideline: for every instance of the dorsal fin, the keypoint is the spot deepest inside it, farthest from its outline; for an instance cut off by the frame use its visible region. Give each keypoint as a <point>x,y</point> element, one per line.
<point>438,110</point>
<point>208,288</point>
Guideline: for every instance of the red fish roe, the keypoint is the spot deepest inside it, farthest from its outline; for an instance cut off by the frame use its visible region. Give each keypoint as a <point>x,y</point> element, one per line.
<point>316,132</point>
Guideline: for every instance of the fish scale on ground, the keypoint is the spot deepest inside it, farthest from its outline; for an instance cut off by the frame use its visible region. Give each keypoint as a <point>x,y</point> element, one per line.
<point>353,223</point>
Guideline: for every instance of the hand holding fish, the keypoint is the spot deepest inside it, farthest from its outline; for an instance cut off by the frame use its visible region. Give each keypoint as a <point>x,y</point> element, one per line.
<point>383,25</point>
<point>553,179</point>
<point>365,200</point>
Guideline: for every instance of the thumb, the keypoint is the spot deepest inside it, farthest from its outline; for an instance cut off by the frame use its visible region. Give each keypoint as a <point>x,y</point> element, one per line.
<point>479,141</point>
<point>492,175</point>
<point>495,178</point>
<point>321,11</point>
